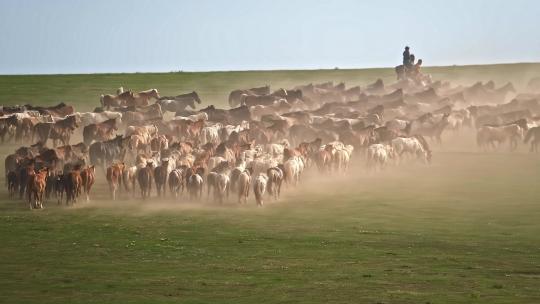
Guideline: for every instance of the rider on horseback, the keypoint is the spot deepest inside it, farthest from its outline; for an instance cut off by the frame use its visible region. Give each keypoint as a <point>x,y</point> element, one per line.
<point>406,57</point>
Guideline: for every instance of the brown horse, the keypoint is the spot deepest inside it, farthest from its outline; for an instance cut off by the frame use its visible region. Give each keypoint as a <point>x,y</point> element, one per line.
<point>122,99</point>
<point>99,132</point>
<point>160,176</point>
<point>88,176</point>
<point>114,178</point>
<point>142,98</point>
<point>73,184</point>
<point>324,158</point>
<point>144,177</point>
<point>235,96</point>
<point>36,188</point>
<point>60,130</point>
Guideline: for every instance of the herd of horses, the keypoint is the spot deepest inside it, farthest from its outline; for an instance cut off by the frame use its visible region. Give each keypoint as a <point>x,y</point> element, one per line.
<point>265,140</point>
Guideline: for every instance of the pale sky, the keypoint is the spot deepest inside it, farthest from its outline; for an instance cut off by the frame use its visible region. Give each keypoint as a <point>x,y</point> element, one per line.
<point>96,36</point>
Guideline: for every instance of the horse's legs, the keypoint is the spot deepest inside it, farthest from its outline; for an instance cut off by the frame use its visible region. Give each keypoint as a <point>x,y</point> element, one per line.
<point>492,144</point>
<point>513,144</point>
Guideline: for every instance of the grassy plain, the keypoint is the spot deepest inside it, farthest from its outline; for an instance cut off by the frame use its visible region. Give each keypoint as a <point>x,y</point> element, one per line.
<point>464,230</point>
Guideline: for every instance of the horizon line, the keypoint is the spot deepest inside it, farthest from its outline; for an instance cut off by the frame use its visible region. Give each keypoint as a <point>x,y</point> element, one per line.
<point>267,70</point>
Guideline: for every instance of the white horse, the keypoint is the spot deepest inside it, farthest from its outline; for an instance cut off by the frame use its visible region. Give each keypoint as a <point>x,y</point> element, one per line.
<point>195,186</point>
<point>88,118</point>
<point>243,184</point>
<point>378,155</point>
<point>412,146</point>
<point>221,187</point>
<point>293,167</point>
<point>210,134</point>
<point>276,150</point>
<point>259,188</point>
<point>342,157</point>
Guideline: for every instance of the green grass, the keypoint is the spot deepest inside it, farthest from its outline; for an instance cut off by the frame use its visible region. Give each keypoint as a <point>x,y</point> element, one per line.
<point>463,230</point>
<point>443,234</point>
<point>214,87</point>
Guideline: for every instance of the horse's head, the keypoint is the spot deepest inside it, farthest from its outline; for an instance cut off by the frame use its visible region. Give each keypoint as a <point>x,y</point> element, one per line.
<point>196,97</point>
<point>73,121</point>
<point>243,99</point>
<point>191,103</point>
<point>154,93</point>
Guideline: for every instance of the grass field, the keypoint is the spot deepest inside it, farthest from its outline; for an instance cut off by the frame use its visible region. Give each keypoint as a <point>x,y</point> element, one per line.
<point>214,87</point>
<point>463,230</point>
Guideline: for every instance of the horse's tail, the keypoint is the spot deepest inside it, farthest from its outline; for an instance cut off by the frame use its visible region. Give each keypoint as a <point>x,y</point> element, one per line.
<point>257,191</point>
<point>101,100</point>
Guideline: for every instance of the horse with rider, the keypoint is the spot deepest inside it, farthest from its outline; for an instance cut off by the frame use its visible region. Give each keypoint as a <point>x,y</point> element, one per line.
<point>410,69</point>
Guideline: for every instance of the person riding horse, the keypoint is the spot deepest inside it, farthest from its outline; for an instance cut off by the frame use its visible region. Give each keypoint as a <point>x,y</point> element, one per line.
<point>410,69</point>
<point>406,57</point>
<point>408,60</point>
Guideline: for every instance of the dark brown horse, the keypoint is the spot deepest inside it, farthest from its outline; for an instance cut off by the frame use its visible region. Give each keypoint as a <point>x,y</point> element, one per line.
<point>144,177</point>
<point>179,103</point>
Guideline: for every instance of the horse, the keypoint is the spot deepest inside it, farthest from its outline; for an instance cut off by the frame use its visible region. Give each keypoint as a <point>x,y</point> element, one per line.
<point>342,158</point>
<point>176,182</point>
<point>59,130</point>
<point>534,134</point>
<point>36,188</point>
<point>99,132</point>
<point>73,184</point>
<point>378,155</point>
<point>179,103</point>
<point>144,177</point>
<point>123,98</point>
<point>114,178</point>
<point>430,128</point>
<point>324,158</point>
<point>292,169</point>
<point>88,178</point>
<point>102,153</point>
<point>416,146</point>
<point>243,184</point>
<point>195,184</point>
<point>259,188</point>
<point>234,96</point>
<point>275,179</point>
<point>142,98</point>
<point>161,175</point>
<point>487,135</point>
